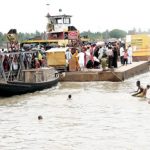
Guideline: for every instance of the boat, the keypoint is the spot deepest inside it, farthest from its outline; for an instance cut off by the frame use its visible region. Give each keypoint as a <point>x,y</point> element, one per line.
<point>17,77</point>
<point>18,88</point>
<point>28,81</point>
<point>59,32</point>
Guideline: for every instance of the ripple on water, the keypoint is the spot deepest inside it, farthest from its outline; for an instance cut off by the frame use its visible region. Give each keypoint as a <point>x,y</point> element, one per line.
<point>100,115</point>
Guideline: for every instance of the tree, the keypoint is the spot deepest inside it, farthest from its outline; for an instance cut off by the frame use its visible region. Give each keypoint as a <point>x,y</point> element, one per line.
<point>106,35</point>
<point>133,31</point>
<point>117,33</point>
<point>37,33</point>
<point>2,39</point>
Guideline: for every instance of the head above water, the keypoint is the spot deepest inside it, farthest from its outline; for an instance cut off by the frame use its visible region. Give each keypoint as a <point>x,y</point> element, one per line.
<point>138,83</point>
<point>69,96</point>
<point>148,86</point>
<point>40,117</point>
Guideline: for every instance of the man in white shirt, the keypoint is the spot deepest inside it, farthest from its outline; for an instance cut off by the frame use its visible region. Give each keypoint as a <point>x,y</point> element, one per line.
<point>68,57</point>
<point>81,59</point>
<point>121,55</point>
<point>68,54</point>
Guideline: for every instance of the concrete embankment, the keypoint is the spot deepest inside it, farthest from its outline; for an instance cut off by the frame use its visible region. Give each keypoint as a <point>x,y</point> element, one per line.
<point>115,75</point>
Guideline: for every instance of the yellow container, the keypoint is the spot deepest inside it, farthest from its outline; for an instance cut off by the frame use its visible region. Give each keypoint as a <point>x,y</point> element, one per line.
<point>140,44</point>
<point>56,57</point>
<point>141,41</point>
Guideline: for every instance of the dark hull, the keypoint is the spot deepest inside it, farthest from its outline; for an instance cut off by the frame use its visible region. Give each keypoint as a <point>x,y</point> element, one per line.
<point>18,88</point>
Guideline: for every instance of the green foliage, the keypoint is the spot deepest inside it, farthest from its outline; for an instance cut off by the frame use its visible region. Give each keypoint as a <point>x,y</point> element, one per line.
<point>21,37</point>
<point>2,39</point>
<point>93,36</point>
<point>106,35</point>
<point>116,33</point>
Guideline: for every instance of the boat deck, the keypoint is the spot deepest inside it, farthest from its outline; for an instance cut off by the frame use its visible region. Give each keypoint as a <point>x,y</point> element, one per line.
<point>118,74</point>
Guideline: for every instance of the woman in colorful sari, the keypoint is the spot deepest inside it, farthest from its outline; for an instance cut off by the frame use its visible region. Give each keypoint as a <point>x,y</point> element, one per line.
<point>75,56</point>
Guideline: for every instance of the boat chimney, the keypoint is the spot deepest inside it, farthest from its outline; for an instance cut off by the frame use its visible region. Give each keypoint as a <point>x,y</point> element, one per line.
<point>60,11</point>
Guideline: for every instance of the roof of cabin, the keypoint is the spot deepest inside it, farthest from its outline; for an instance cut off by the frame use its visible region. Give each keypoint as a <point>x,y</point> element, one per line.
<point>59,16</point>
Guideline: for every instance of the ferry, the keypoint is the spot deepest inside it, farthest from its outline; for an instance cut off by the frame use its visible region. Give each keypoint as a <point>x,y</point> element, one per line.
<point>59,31</point>
<point>21,71</point>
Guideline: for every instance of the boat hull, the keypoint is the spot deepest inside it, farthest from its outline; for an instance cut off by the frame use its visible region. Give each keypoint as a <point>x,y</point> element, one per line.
<point>18,88</point>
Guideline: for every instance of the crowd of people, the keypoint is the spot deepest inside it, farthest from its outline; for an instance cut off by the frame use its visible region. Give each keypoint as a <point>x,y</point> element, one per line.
<point>105,56</point>
<point>12,61</point>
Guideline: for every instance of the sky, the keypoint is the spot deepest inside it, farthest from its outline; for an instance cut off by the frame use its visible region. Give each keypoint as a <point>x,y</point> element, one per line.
<point>94,15</point>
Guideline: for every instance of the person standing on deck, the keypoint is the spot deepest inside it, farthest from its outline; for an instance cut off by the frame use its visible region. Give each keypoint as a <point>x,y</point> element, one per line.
<point>75,56</point>
<point>1,64</point>
<point>84,51</point>
<point>121,55</point>
<point>130,51</point>
<point>125,57</point>
<point>81,59</point>
<point>110,56</point>
<point>68,54</point>
<point>104,62</point>
<point>115,56</point>
<point>100,52</point>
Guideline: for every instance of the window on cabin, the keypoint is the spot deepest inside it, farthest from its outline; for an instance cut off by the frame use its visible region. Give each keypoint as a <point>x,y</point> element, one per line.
<point>66,20</point>
<point>59,21</point>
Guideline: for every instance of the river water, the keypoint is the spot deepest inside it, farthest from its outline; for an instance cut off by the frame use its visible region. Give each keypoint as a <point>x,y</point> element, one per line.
<point>100,116</point>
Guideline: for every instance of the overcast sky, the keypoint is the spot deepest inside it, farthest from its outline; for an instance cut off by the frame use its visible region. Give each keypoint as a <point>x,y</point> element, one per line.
<point>93,15</point>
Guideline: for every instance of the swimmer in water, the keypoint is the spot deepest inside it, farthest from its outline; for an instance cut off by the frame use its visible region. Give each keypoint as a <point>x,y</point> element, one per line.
<point>40,117</point>
<point>143,94</point>
<point>139,90</point>
<point>69,96</point>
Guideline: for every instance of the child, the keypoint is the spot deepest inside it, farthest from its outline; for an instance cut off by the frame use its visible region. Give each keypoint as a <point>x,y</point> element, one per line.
<point>139,90</point>
<point>104,62</point>
<point>125,57</point>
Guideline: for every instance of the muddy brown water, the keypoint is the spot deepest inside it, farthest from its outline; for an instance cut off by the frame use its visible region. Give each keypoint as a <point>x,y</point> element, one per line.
<point>100,116</point>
